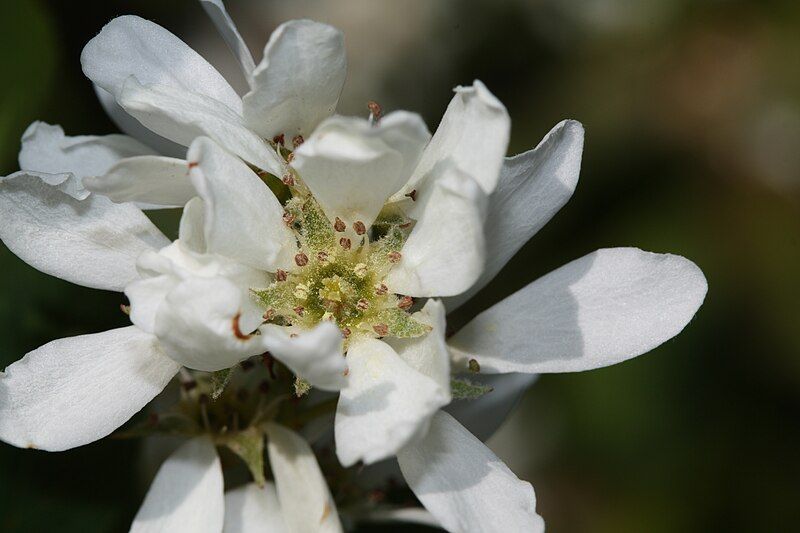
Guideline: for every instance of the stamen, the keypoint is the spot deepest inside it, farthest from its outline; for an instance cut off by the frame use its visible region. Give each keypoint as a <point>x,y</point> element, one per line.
<point>394,257</point>
<point>322,256</point>
<point>412,195</point>
<point>280,275</point>
<point>269,314</point>
<point>299,310</point>
<point>381,329</point>
<point>359,227</point>
<point>297,140</point>
<point>375,112</point>
<point>278,139</point>
<point>405,303</point>
<point>288,180</point>
<point>474,366</point>
<point>301,259</point>
<point>339,225</point>
<point>288,218</point>
<point>381,289</point>
<point>345,243</point>
<point>125,309</point>
<point>362,304</point>
<point>346,332</point>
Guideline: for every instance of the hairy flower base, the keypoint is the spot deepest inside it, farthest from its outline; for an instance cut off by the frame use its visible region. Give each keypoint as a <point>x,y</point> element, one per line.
<point>338,280</point>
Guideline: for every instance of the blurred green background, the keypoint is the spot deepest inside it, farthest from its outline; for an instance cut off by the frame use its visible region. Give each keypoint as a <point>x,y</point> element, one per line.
<point>692,116</point>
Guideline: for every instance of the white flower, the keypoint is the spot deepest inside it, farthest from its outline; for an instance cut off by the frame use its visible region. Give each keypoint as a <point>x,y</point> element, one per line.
<point>446,212</point>
<point>187,493</point>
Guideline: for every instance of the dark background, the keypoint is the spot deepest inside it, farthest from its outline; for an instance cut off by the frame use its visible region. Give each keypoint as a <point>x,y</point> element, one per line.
<point>692,114</point>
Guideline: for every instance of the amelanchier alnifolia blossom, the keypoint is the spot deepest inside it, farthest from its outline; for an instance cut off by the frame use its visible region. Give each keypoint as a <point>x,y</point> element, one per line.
<point>311,249</point>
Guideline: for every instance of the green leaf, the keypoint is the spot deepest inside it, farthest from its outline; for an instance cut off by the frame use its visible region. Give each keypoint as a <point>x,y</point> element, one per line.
<point>463,389</point>
<point>249,446</point>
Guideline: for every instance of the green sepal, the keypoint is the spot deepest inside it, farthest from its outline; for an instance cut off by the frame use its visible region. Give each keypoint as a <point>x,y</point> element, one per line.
<point>463,389</point>
<point>249,446</point>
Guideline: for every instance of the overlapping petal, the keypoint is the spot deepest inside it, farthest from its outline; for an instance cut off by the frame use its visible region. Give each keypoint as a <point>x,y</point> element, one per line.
<point>132,46</point>
<point>352,166</point>
<point>76,390</point>
<point>601,309</point>
<point>91,242</point>
<point>464,485</point>
<point>253,509</point>
<point>532,187</point>
<point>445,252</point>
<point>386,404</point>
<point>298,82</point>
<point>303,494</point>
<point>186,494</point>
<point>226,27</point>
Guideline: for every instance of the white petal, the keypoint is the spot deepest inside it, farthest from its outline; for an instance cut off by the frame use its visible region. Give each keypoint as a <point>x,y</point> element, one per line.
<point>226,27</point>
<point>428,354</point>
<point>149,179</point>
<point>182,116</point>
<point>385,405</point>
<point>191,231</point>
<point>352,167</point>
<point>92,242</point>
<point>134,128</point>
<point>484,415</point>
<point>253,509</point>
<point>186,495</point>
<point>599,310</point>
<point>45,148</point>
<point>412,515</point>
<point>464,485</point>
<point>76,390</point>
<point>473,134</point>
<point>304,496</point>
<point>533,186</point>
<point>444,253</point>
<point>199,324</point>
<point>298,82</point>
<point>243,219</point>
<point>315,355</point>
<point>132,46</point>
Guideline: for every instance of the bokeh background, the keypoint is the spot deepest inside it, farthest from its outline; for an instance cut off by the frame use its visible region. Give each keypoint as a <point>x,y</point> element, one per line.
<point>692,116</point>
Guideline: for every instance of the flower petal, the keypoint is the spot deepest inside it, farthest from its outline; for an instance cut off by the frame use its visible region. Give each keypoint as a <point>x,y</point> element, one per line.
<point>132,46</point>
<point>428,354</point>
<point>464,485</point>
<point>134,128</point>
<point>199,324</point>
<point>385,405</point>
<point>216,11</point>
<point>45,148</point>
<point>352,167</point>
<point>444,253</point>
<point>411,515</point>
<point>149,179</point>
<point>473,134</point>
<point>533,186</point>
<point>316,355</point>
<point>91,242</point>
<point>253,509</point>
<point>243,219</point>
<point>186,494</point>
<point>599,310</point>
<point>76,390</point>
<point>182,116</point>
<point>298,82</point>
<point>304,496</point>
<point>484,415</point>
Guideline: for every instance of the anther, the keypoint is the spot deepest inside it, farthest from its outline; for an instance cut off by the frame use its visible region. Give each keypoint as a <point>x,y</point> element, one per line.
<point>290,157</point>
<point>394,257</point>
<point>297,140</point>
<point>474,366</point>
<point>278,139</point>
<point>288,218</point>
<point>288,180</point>
<point>346,332</point>
<point>345,243</point>
<point>359,227</point>
<point>412,195</point>
<point>301,259</point>
<point>405,303</point>
<point>374,111</point>
<point>381,289</point>
<point>125,309</point>
<point>362,304</point>
<point>299,310</point>
<point>280,275</point>
<point>381,329</point>
<point>322,256</point>
<point>269,314</point>
<point>339,225</point>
